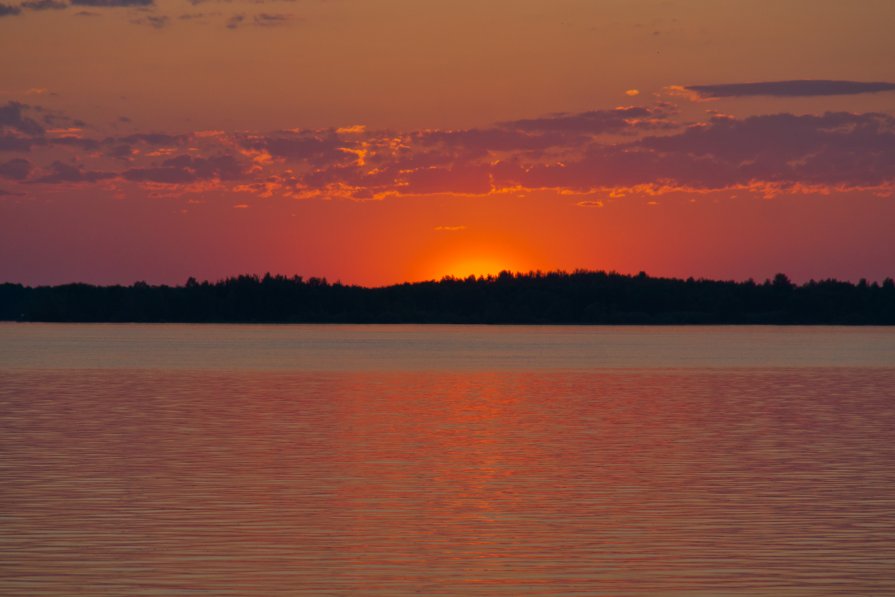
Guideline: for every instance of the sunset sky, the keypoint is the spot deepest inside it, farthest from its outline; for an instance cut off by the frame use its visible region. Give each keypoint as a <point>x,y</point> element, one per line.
<point>380,141</point>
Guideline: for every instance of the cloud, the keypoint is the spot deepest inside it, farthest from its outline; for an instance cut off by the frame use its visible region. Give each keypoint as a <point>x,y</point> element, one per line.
<point>801,88</point>
<point>197,16</point>
<point>120,152</point>
<point>265,19</point>
<point>148,138</point>
<point>14,143</point>
<point>8,10</point>
<point>780,138</point>
<point>155,21</point>
<point>15,169</point>
<point>769,153</point>
<point>12,116</point>
<point>478,142</point>
<point>552,132</point>
<point>782,151</point>
<point>60,172</point>
<point>112,3</point>
<point>163,174</point>
<point>467,179</point>
<point>185,169</point>
<point>449,228</point>
<point>81,143</point>
<point>45,5</point>
<point>315,147</point>
<point>57,119</point>
<point>623,119</point>
<point>597,154</point>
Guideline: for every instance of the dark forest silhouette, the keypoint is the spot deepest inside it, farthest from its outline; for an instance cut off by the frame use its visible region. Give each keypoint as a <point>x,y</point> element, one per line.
<point>580,297</point>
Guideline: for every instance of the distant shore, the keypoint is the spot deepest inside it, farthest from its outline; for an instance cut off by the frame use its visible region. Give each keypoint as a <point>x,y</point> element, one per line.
<point>580,297</point>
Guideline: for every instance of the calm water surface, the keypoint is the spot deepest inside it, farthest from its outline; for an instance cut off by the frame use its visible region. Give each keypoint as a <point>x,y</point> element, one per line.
<point>429,460</point>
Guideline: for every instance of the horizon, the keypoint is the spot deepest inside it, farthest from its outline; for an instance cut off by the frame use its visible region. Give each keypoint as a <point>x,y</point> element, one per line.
<point>485,277</point>
<point>592,298</point>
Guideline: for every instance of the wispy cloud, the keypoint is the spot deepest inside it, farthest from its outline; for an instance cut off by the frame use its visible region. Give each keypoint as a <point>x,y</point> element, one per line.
<point>198,16</point>
<point>45,5</point>
<point>9,10</point>
<point>799,88</point>
<point>622,119</point>
<point>263,19</point>
<point>112,3</point>
<point>155,21</point>
<point>159,20</point>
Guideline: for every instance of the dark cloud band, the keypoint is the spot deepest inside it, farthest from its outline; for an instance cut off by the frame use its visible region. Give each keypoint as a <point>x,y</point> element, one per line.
<point>802,88</point>
<point>603,150</point>
<point>8,10</point>
<point>112,3</point>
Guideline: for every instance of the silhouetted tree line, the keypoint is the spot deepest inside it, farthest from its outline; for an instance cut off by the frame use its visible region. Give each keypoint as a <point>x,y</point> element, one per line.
<point>580,297</point>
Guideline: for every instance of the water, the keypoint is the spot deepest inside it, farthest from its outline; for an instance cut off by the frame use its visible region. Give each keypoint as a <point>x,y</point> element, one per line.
<point>429,460</point>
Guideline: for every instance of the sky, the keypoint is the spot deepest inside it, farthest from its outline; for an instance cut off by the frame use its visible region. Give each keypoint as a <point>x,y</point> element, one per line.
<point>382,141</point>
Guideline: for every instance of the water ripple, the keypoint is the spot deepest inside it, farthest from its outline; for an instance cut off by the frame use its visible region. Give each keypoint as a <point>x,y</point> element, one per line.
<point>651,482</point>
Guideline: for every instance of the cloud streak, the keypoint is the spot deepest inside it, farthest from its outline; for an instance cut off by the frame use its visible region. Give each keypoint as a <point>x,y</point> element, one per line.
<point>799,88</point>
<point>45,5</point>
<point>112,3</point>
<point>622,119</point>
<point>9,10</point>
<point>154,21</point>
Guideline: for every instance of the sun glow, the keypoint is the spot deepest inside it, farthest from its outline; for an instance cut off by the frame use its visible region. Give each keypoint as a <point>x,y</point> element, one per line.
<point>462,254</point>
<point>477,266</point>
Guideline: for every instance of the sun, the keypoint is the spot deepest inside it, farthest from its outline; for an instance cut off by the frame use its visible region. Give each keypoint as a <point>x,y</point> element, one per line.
<point>483,258</point>
<point>474,266</point>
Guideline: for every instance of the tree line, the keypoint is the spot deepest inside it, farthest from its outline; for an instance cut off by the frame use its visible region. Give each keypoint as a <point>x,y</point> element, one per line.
<point>579,297</point>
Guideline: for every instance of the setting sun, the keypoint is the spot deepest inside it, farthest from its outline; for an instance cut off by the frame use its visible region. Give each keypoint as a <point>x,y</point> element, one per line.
<point>478,267</point>
<point>481,259</point>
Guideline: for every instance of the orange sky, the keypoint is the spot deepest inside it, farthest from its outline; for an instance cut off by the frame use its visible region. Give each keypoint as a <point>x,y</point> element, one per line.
<point>381,141</point>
